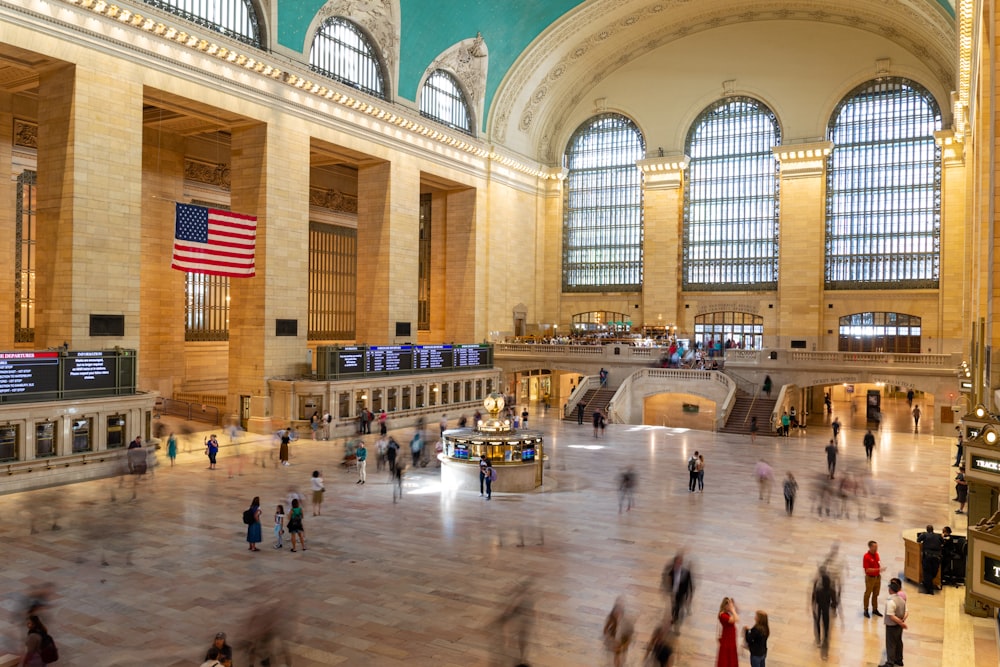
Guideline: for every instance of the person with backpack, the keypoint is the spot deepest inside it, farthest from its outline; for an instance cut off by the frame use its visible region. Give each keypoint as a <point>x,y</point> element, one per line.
<point>490,477</point>
<point>693,472</point>
<point>39,647</point>
<point>251,517</point>
<point>295,529</point>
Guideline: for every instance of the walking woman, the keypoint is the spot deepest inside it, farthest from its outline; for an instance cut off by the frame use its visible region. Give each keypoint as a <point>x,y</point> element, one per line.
<point>38,636</point>
<point>295,529</point>
<point>700,468</point>
<point>728,618</point>
<point>253,528</point>
<point>172,449</point>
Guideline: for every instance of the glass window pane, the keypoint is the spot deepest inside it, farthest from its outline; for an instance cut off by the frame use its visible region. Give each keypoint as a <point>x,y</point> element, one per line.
<point>342,52</point>
<point>236,19</point>
<point>442,99</point>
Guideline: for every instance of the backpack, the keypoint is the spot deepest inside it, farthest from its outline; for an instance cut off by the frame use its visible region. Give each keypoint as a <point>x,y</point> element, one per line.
<point>248,516</point>
<point>493,474</point>
<point>48,651</point>
<point>691,465</point>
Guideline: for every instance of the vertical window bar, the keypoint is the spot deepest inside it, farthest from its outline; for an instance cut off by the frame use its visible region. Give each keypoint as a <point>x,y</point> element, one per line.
<point>442,99</point>
<point>883,204</point>
<point>603,216</point>
<point>24,258</point>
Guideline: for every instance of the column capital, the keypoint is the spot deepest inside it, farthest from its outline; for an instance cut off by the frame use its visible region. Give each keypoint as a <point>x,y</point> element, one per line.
<point>803,160</point>
<point>665,172</point>
<point>952,147</point>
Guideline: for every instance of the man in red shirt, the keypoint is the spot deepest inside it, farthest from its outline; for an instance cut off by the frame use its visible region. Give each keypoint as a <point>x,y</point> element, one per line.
<point>873,577</point>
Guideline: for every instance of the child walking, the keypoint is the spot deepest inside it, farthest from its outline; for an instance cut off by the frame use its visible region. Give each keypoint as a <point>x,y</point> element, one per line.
<point>279,526</point>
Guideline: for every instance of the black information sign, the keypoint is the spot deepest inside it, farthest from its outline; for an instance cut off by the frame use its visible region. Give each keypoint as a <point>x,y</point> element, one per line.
<point>350,360</point>
<point>985,464</point>
<point>470,356</point>
<point>89,370</point>
<point>991,570</point>
<point>432,357</point>
<point>26,373</point>
<point>390,358</point>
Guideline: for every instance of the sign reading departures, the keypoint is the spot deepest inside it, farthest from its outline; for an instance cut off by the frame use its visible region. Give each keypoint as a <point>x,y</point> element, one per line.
<point>348,361</point>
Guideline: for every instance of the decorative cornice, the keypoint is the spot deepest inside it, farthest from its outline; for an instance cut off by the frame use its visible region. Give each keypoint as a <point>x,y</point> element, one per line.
<point>803,160</point>
<point>25,133</point>
<point>209,173</point>
<point>663,173</point>
<point>333,200</point>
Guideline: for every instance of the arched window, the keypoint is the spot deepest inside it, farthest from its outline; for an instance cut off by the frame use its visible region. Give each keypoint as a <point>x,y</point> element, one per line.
<point>236,19</point>
<point>342,52</point>
<point>883,193</point>
<point>602,223</point>
<point>880,332</point>
<point>443,100</point>
<point>728,329</point>
<point>731,198</point>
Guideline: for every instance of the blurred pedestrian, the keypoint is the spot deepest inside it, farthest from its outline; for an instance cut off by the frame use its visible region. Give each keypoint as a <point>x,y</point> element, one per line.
<point>765,477</point>
<point>279,526</point>
<point>39,645</point>
<point>491,476</point>
<point>660,650</point>
<point>831,457</point>
<point>824,603</point>
<point>916,421</point>
<point>253,527</point>
<point>728,618</point>
<point>172,449</point>
<point>397,481</point>
<point>295,527</point>
<point>211,450</point>
<point>286,439</point>
<point>626,490</point>
<point>677,583</point>
<point>869,444</point>
<point>836,428</point>
<point>362,456</point>
<point>618,633</point>
<point>753,429</point>
<point>789,488</point>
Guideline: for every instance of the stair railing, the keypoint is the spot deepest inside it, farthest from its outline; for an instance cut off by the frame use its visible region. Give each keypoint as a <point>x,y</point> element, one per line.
<point>747,387</point>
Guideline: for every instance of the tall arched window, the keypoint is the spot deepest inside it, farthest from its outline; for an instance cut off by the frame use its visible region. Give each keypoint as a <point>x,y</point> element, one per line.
<point>731,198</point>
<point>602,223</point>
<point>883,194</point>
<point>880,332</point>
<point>342,52</point>
<point>236,19</point>
<point>442,99</point>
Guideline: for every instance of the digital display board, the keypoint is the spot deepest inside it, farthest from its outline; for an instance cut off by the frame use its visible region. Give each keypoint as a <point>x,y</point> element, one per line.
<point>466,356</point>
<point>432,357</point>
<point>89,370</point>
<point>390,358</point>
<point>23,374</point>
<point>350,360</point>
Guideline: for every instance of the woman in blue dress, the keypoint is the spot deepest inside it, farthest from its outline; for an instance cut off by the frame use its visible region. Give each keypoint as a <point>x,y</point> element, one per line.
<point>253,528</point>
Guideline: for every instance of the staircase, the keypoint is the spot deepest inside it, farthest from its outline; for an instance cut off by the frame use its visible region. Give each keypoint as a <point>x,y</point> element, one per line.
<point>592,400</point>
<point>739,418</point>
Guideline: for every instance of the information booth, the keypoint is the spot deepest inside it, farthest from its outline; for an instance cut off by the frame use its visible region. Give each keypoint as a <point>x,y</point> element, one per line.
<point>982,464</point>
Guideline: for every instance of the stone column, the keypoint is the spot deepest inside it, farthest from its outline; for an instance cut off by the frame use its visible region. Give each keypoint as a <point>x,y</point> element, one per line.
<point>8,194</point>
<point>89,206</point>
<point>663,217</point>
<point>270,179</point>
<point>464,289</point>
<point>549,272</point>
<point>388,252</point>
<point>801,259</point>
<point>953,314</point>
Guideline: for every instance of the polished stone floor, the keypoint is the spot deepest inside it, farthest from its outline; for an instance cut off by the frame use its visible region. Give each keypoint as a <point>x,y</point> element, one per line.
<point>146,574</point>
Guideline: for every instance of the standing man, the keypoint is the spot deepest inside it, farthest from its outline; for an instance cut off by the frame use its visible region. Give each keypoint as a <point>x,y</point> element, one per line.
<point>362,453</point>
<point>895,623</point>
<point>916,418</point>
<point>579,414</point>
<point>961,448</point>
<point>930,557</point>
<point>831,457</point>
<point>909,397</point>
<point>692,472</point>
<point>873,577</point>
<point>383,419</point>
<point>869,444</point>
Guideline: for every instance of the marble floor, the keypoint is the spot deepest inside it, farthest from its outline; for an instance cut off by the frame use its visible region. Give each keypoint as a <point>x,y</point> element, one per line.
<point>147,573</point>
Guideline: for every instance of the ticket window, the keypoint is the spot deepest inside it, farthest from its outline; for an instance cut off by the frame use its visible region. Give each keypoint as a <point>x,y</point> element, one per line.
<point>391,400</point>
<point>45,439</point>
<point>116,431</point>
<point>468,390</point>
<point>344,405</point>
<point>8,442</point>
<point>456,392</point>
<point>82,435</point>
<point>420,393</point>
<point>406,398</point>
<point>377,400</point>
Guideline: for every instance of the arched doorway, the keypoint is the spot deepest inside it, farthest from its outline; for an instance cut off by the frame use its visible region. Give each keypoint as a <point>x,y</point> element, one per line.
<point>744,330</point>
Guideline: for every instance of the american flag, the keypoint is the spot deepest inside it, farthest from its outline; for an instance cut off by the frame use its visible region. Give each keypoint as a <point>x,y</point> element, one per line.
<point>207,240</point>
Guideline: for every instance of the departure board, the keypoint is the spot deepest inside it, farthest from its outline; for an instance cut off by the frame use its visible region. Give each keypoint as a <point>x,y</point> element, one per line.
<point>432,357</point>
<point>390,358</point>
<point>350,360</point>
<point>25,373</point>
<point>471,356</point>
<point>89,370</point>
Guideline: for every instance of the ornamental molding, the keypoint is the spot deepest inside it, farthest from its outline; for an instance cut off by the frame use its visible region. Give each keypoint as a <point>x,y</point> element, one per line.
<point>25,133</point>
<point>207,173</point>
<point>578,52</point>
<point>333,200</point>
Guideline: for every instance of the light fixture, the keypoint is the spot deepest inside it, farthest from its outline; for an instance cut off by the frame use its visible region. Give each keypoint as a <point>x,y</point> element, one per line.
<point>980,411</point>
<point>990,435</point>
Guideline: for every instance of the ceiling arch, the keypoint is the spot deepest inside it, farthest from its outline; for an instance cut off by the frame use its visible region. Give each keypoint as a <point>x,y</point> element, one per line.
<point>539,93</point>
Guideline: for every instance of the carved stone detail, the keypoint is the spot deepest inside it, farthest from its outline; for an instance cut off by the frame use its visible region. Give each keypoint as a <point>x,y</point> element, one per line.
<point>334,200</point>
<point>25,133</point>
<point>209,173</point>
<point>377,17</point>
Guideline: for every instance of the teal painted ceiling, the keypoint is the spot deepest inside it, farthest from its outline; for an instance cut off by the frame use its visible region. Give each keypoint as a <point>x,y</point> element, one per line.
<point>429,27</point>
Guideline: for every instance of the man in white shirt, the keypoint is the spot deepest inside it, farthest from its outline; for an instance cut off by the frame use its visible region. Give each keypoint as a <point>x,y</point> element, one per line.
<point>895,623</point>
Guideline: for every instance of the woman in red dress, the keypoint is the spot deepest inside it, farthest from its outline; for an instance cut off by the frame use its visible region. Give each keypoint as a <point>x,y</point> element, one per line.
<point>728,618</point>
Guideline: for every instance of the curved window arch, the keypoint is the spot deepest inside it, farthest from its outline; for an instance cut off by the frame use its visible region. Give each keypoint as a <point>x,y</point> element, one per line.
<point>236,19</point>
<point>883,193</point>
<point>602,219</point>
<point>341,51</point>
<point>731,198</point>
<point>443,100</point>
<point>880,332</point>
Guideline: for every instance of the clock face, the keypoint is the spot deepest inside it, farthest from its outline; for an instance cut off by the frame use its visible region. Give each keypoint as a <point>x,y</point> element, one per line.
<point>494,403</point>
